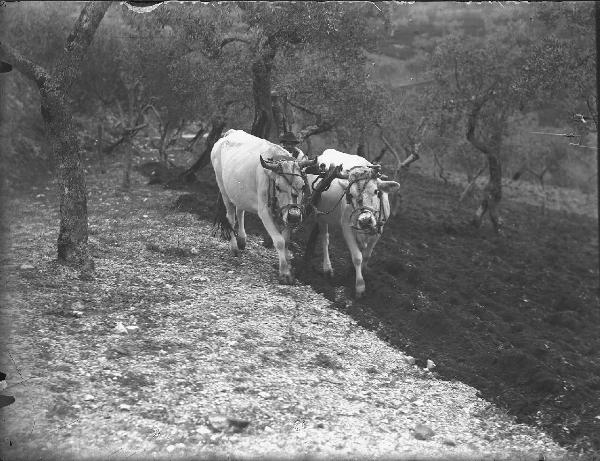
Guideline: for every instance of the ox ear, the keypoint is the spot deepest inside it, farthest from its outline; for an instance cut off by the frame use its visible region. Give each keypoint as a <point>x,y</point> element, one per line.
<point>389,187</point>
<point>268,166</point>
<point>375,170</point>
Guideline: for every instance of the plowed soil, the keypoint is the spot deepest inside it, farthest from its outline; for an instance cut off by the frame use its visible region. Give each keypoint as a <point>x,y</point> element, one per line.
<point>516,316</point>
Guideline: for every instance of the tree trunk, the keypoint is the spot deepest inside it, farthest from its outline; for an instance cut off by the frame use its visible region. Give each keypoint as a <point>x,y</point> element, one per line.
<point>492,192</point>
<point>279,115</point>
<point>263,125</point>
<point>217,127</point>
<point>61,132</point>
<point>99,149</point>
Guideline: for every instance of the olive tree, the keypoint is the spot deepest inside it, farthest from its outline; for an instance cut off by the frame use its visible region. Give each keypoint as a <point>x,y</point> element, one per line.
<point>54,85</point>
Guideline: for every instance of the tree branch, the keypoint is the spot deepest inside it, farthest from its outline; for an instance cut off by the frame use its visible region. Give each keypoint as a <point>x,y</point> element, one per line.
<point>313,130</point>
<point>67,68</point>
<point>472,183</point>
<point>24,65</point>
<point>229,40</point>
<point>128,133</point>
<point>304,109</point>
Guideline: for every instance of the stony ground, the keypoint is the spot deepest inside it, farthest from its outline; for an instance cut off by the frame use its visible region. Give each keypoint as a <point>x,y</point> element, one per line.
<point>175,347</point>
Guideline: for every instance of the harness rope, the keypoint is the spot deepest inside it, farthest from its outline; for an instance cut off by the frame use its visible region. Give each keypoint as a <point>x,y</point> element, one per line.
<point>276,211</point>
<point>380,214</point>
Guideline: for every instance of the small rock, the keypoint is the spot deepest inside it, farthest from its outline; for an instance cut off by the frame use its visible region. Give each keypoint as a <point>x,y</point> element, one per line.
<point>430,364</point>
<point>77,305</point>
<point>221,423</point>
<point>124,407</point>
<point>26,267</point>
<point>77,313</point>
<point>410,360</point>
<point>120,328</point>
<point>203,430</point>
<point>264,395</point>
<point>238,425</point>
<point>152,247</point>
<point>88,397</point>
<point>144,216</point>
<point>194,251</point>
<point>423,432</point>
<point>132,327</point>
<point>77,406</point>
<point>170,448</point>
<point>218,423</point>
<point>449,442</point>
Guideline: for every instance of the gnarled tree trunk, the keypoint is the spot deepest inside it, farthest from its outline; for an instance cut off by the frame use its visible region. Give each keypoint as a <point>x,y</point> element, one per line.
<point>492,192</point>
<point>217,127</point>
<point>56,111</point>
<point>263,125</point>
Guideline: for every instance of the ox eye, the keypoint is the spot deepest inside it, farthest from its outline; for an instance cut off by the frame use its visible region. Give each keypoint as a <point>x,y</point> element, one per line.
<point>277,188</point>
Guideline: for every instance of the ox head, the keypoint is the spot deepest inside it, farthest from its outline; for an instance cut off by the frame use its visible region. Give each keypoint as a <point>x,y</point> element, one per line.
<point>366,194</point>
<point>288,189</point>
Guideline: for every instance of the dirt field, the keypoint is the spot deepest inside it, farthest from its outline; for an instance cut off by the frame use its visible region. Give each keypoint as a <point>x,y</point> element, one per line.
<point>517,316</point>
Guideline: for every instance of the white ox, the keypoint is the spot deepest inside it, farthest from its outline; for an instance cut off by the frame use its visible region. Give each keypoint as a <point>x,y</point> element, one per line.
<point>357,202</point>
<point>260,177</point>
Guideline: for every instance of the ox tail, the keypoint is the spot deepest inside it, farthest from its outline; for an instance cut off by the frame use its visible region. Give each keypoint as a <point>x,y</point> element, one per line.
<point>221,224</point>
<point>311,242</point>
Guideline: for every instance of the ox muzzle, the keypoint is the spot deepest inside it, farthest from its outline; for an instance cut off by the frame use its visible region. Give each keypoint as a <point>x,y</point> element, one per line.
<point>292,214</point>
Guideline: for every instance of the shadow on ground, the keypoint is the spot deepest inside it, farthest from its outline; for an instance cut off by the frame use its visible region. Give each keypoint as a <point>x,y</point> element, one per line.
<point>516,317</point>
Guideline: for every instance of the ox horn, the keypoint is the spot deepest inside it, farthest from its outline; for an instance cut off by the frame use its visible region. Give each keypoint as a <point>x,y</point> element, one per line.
<point>341,174</point>
<point>268,166</point>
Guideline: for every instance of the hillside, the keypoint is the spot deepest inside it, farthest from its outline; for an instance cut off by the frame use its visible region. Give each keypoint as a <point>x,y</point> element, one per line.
<point>172,336</point>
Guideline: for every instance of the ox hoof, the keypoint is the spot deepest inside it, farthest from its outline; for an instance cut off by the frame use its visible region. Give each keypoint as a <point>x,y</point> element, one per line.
<point>286,279</point>
<point>328,273</point>
<point>360,293</point>
<point>241,243</point>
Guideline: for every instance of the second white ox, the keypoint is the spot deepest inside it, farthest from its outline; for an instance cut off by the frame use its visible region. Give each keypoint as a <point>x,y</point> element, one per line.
<point>357,202</point>
<point>260,177</point>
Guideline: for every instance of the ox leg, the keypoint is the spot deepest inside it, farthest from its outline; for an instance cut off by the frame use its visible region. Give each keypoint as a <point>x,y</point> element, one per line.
<point>285,275</point>
<point>367,252</point>
<point>231,212</point>
<point>357,259</point>
<point>286,234</point>
<point>241,237</point>
<point>324,231</point>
